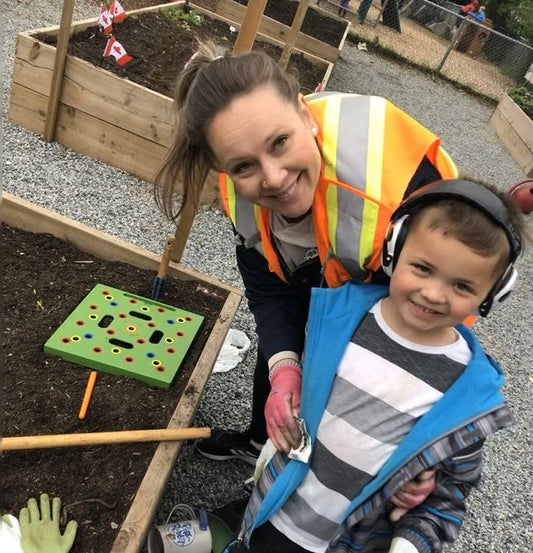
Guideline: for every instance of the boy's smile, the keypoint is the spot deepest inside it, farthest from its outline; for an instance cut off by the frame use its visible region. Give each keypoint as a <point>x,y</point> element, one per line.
<point>436,284</point>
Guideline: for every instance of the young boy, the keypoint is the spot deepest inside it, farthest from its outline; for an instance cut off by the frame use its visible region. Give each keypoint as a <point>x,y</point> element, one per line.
<point>394,384</point>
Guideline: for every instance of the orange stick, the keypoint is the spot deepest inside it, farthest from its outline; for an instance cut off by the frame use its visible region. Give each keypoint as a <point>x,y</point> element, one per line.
<point>87,396</point>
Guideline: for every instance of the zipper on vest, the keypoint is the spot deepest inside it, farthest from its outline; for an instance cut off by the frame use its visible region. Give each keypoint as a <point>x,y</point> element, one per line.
<point>282,262</point>
<point>230,545</point>
<point>329,255</point>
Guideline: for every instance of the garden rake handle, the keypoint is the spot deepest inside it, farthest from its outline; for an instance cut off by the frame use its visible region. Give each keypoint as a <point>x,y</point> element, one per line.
<point>174,247</point>
<point>97,438</point>
<point>159,281</point>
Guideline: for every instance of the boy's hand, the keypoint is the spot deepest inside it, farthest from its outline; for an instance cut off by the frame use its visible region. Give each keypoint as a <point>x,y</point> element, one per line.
<point>412,494</point>
<point>40,531</point>
<point>282,405</point>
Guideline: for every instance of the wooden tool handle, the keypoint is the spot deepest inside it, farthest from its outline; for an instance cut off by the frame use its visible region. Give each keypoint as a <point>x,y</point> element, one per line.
<point>96,438</point>
<point>165,258</point>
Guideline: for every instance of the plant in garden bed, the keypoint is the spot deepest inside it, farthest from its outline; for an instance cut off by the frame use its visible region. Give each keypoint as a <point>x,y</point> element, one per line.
<point>523,97</point>
<point>185,16</point>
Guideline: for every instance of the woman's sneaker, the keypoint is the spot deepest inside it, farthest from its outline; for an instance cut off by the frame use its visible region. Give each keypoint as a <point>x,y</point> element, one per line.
<point>229,444</point>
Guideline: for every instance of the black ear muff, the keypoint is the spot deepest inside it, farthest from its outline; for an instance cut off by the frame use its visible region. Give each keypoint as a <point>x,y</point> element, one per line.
<point>393,244</point>
<point>499,292</point>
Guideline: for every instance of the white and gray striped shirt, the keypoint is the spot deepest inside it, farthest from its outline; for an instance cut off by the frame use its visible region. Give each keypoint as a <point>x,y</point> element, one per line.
<point>383,385</point>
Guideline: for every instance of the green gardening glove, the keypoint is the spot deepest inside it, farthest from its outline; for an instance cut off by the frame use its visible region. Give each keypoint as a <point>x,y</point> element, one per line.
<point>40,532</point>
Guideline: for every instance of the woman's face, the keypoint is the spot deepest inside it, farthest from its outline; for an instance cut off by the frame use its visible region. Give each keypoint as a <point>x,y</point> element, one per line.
<point>268,148</point>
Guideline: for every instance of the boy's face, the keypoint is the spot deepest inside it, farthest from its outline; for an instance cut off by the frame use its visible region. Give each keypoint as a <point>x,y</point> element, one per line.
<point>436,284</point>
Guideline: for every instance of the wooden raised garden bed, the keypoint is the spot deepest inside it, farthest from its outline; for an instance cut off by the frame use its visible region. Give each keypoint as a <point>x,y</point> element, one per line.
<point>515,130</point>
<point>328,48</point>
<point>109,117</point>
<point>113,491</point>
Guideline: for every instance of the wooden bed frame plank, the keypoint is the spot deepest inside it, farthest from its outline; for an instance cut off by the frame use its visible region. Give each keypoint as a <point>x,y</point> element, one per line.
<point>270,27</point>
<point>134,529</point>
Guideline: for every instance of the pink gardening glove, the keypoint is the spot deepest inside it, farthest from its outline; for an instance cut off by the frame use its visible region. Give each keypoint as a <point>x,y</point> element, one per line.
<point>283,404</point>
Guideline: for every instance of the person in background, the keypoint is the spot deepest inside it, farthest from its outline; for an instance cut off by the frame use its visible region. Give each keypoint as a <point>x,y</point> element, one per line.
<point>343,7</point>
<point>470,7</point>
<point>309,184</point>
<point>394,383</point>
<point>478,15</point>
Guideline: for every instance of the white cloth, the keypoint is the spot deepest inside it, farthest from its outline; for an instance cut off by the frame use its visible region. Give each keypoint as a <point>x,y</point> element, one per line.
<point>401,545</point>
<point>235,345</point>
<point>10,535</point>
<point>268,451</point>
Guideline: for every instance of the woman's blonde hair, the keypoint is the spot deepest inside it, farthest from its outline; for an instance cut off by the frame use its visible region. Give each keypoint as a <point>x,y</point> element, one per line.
<point>211,79</point>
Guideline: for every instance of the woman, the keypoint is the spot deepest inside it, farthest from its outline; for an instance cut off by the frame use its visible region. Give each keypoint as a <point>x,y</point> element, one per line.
<point>309,184</point>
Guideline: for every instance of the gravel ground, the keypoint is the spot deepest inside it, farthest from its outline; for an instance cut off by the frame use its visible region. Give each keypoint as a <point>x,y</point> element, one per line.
<point>115,202</point>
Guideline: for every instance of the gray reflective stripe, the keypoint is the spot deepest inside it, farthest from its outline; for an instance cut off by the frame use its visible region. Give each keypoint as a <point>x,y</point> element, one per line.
<point>246,225</point>
<point>351,168</point>
<point>348,231</point>
<point>353,137</point>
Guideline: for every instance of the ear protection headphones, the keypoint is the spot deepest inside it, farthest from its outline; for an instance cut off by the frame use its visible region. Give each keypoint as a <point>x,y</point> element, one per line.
<point>474,194</point>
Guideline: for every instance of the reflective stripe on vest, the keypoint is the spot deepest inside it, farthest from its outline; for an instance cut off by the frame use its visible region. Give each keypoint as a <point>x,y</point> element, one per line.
<point>370,151</point>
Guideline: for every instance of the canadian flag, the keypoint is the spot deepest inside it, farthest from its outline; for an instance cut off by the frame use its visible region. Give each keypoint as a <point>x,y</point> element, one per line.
<point>105,21</point>
<point>115,49</point>
<point>117,12</point>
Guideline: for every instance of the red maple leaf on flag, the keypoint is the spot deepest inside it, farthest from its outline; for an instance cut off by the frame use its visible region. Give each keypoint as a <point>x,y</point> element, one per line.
<point>117,11</point>
<point>116,50</point>
<point>104,21</point>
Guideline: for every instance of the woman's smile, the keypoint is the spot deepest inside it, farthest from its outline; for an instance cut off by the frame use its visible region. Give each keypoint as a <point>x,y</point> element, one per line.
<point>288,193</point>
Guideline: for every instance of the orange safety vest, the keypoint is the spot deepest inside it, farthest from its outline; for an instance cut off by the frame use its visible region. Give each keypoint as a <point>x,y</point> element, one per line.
<point>370,151</point>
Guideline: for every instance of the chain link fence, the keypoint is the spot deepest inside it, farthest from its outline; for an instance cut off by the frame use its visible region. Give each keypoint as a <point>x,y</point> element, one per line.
<point>435,37</point>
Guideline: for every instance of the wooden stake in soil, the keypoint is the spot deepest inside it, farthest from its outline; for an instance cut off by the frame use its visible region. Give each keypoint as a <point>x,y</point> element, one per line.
<point>250,25</point>
<point>59,68</point>
<point>293,33</point>
<point>174,246</point>
<point>98,438</point>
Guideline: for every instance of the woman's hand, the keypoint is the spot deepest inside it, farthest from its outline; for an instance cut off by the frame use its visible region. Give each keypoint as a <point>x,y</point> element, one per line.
<point>283,404</point>
<point>412,494</point>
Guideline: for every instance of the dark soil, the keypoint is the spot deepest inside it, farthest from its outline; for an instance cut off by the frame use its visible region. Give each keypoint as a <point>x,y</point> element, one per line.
<point>315,23</point>
<point>43,281</point>
<point>161,47</point>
